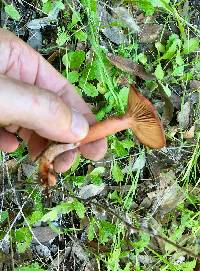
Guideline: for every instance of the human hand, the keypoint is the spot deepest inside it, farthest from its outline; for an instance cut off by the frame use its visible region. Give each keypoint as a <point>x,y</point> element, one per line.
<point>39,104</point>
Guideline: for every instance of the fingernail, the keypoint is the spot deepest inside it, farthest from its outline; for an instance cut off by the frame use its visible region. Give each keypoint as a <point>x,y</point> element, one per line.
<point>79,125</point>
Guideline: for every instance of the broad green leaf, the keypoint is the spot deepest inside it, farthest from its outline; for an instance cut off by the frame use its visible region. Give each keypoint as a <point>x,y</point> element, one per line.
<point>79,208</point>
<point>23,239</point>
<point>159,73</point>
<point>190,45</point>
<point>12,12</point>
<point>142,58</point>
<point>3,216</point>
<point>47,7</point>
<point>117,172</point>
<point>73,77</point>
<point>59,4</point>
<point>76,59</point>
<point>80,35</point>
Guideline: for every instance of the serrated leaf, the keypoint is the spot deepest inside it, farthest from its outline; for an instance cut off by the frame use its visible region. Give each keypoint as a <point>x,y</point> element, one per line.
<point>190,45</point>
<point>12,12</point>
<point>172,46</point>
<point>117,173</point>
<point>62,37</point>
<point>159,73</point>
<point>80,35</point>
<point>88,88</point>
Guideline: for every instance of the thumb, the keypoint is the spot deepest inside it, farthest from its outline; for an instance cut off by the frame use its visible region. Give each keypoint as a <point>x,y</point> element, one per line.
<point>39,110</point>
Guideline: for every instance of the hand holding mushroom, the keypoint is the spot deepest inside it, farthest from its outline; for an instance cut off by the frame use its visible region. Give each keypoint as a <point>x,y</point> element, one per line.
<point>39,104</point>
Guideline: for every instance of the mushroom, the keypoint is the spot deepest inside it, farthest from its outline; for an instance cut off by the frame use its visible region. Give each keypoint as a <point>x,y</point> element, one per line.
<point>140,116</point>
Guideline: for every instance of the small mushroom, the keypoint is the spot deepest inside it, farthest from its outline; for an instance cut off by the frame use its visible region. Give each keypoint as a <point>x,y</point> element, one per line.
<point>140,116</point>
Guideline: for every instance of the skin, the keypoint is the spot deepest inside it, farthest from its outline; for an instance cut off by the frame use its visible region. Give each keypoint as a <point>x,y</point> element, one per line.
<point>39,104</point>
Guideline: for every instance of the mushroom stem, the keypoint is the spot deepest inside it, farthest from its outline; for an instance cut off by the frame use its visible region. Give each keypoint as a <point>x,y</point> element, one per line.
<point>106,127</point>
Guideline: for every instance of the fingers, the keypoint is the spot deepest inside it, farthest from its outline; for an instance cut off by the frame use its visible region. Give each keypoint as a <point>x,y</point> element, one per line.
<point>40,110</point>
<point>64,161</point>
<point>8,142</point>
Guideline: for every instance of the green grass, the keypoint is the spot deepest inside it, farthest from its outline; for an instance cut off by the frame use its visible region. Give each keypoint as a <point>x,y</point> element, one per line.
<point>122,233</point>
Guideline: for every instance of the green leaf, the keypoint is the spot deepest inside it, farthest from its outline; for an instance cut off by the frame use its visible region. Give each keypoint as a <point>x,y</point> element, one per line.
<point>23,239</point>
<point>76,59</point>
<point>62,37</point>
<point>190,45</point>
<point>79,208</point>
<point>47,7</point>
<point>118,148</point>
<point>60,209</point>
<point>123,95</point>
<point>91,231</point>
<point>159,73</point>
<point>106,231</point>
<point>34,217</point>
<point>3,216</point>
<point>88,88</point>
<point>30,267</point>
<point>75,18</point>
<point>167,90</point>
<point>73,77</point>
<point>160,47</point>
<point>142,58</point>
<point>80,35</point>
<point>97,171</point>
<point>173,45</point>
<point>146,6</point>
<point>117,173</point>
<point>12,12</point>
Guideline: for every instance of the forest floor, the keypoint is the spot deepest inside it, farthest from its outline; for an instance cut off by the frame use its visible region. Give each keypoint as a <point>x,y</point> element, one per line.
<point>137,208</point>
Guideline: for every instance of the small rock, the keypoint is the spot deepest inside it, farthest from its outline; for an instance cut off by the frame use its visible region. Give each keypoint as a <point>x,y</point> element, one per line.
<point>43,235</point>
<point>43,251</point>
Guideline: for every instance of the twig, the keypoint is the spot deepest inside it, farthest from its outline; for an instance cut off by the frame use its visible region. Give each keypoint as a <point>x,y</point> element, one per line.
<point>142,229</point>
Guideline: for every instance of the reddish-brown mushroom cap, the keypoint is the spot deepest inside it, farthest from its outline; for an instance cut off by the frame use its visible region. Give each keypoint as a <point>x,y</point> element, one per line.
<point>144,120</point>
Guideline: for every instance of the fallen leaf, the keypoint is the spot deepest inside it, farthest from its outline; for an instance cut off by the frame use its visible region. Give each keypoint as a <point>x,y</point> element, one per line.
<point>129,66</point>
<point>150,33</point>
<point>90,190</point>
<point>124,16</point>
<point>184,116</point>
<point>190,133</point>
